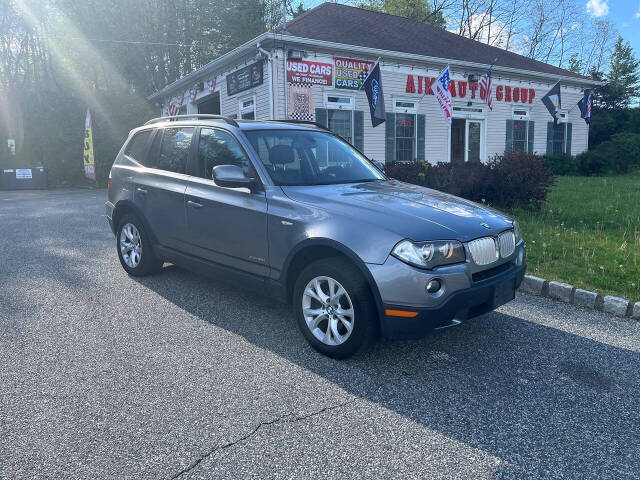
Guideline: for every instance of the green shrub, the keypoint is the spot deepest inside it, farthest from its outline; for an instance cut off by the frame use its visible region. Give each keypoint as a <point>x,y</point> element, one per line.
<point>510,180</point>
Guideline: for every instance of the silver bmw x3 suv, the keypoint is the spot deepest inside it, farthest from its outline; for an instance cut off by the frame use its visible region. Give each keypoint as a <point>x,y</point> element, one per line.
<point>301,214</point>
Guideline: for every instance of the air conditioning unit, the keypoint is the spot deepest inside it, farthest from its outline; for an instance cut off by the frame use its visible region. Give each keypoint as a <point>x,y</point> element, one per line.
<point>563,116</point>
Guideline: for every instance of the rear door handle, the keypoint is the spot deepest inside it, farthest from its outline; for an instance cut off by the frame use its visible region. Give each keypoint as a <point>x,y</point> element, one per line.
<point>193,204</point>
<point>143,191</point>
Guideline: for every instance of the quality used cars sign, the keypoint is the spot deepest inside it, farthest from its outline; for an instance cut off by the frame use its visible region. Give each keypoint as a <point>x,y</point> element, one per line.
<point>315,73</point>
<point>350,73</point>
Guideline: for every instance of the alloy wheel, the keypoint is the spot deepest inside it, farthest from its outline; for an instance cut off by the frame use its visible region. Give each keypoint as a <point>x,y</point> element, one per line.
<point>328,310</point>
<point>130,245</point>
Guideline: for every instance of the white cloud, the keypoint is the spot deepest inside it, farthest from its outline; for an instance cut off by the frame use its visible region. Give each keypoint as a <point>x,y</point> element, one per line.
<point>598,8</point>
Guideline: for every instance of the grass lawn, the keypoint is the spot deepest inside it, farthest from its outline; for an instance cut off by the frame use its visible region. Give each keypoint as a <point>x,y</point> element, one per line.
<point>588,234</point>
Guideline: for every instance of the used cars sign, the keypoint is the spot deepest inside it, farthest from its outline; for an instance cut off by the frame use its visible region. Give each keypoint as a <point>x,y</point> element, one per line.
<point>315,73</point>
<point>350,73</point>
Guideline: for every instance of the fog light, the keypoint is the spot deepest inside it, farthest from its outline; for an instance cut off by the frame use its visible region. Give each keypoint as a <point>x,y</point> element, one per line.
<point>433,286</point>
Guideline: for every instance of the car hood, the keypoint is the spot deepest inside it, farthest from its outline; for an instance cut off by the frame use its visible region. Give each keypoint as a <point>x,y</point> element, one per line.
<point>408,210</point>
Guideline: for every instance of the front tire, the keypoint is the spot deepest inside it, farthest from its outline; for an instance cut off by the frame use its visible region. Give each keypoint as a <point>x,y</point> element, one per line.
<point>134,248</point>
<point>334,308</point>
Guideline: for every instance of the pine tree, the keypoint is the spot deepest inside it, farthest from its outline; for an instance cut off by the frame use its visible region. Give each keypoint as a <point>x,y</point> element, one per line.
<point>623,80</point>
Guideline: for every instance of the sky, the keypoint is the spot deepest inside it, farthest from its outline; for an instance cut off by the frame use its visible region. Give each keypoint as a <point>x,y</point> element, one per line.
<point>625,14</point>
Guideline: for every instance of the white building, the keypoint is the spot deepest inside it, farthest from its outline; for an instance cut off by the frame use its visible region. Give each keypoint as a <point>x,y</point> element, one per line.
<point>312,73</point>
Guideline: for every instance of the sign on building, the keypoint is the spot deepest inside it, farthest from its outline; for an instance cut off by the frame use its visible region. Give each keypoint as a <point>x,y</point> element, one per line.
<point>245,78</point>
<point>315,73</point>
<point>350,72</point>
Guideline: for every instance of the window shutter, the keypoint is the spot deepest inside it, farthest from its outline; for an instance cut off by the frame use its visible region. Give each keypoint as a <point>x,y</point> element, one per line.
<point>568,149</point>
<point>549,138</point>
<point>390,138</point>
<point>420,134</point>
<point>321,116</point>
<point>508,143</point>
<point>530,138</point>
<point>358,129</point>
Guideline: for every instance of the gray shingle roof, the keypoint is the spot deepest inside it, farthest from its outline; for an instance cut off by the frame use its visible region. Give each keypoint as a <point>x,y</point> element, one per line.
<point>338,23</point>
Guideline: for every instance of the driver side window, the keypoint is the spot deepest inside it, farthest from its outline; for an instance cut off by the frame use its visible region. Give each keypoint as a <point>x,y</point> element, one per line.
<point>220,148</point>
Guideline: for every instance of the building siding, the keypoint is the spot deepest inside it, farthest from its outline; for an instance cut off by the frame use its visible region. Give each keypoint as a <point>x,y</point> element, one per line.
<point>394,80</point>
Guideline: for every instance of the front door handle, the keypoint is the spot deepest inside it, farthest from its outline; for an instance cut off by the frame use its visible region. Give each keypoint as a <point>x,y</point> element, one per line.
<point>143,191</point>
<point>193,204</point>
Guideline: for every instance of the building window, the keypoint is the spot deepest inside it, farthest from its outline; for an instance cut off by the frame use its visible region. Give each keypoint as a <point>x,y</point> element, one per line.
<point>557,142</point>
<point>340,115</point>
<point>520,136</point>
<point>339,102</point>
<point>405,137</point>
<point>340,122</point>
<point>247,109</point>
<point>401,105</point>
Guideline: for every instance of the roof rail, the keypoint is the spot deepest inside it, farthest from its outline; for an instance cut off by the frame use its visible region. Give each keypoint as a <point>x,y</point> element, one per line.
<point>304,122</point>
<point>197,116</point>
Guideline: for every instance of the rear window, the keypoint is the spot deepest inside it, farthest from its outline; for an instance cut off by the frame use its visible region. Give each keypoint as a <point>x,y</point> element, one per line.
<point>174,150</point>
<point>136,149</point>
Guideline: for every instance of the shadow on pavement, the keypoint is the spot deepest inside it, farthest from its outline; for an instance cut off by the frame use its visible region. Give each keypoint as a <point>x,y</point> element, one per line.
<point>546,402</point>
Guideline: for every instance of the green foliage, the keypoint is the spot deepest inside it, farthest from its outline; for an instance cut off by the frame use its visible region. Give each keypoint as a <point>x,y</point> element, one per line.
<point>419,10</point>
<point>54,131</point>
<point>587,233</point>
<point>510,180</point>
<point>623,80</point>
<point>619,154</point>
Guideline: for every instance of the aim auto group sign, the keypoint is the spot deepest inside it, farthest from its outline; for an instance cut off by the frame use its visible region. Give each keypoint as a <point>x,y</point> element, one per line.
<point>458,88</point>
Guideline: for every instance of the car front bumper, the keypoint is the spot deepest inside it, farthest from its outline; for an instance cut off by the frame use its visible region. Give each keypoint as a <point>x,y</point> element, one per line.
<point>466,292</point>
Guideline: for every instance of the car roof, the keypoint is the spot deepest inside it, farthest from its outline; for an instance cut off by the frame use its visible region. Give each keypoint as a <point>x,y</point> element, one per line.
<point>242,124</point>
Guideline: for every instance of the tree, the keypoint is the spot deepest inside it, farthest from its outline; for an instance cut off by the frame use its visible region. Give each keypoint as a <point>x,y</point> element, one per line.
<point>623,79</point>
<point>418,10</point>
<point>575,64</point>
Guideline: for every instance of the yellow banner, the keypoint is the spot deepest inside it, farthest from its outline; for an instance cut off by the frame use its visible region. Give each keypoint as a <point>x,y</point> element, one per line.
<point>89,164</point>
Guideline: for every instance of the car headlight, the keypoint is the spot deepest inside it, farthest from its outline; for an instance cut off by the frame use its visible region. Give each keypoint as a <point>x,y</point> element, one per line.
<point>516,231</point>
<point>429,254</point>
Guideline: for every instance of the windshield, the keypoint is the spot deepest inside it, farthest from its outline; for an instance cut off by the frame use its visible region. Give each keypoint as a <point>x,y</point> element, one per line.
<point>306,157</point>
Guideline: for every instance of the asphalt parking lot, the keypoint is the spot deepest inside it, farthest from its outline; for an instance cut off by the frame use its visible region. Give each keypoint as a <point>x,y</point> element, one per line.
<point>182,376</point>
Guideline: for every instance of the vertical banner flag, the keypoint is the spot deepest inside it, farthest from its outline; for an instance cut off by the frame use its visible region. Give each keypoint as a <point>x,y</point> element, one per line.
<point>89,165</point>
<point>301,101</point>
<point>485,89</point>
<point>440,89</point>
<point>373,87</point>
<point>211,84</point>
<point>585,106</point>
<point>553,102</point>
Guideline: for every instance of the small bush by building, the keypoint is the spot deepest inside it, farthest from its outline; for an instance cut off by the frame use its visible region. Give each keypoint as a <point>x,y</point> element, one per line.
<point>513,180</point>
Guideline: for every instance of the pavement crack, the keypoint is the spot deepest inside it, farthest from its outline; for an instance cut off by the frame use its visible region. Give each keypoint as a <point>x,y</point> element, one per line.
<point>286,418</point>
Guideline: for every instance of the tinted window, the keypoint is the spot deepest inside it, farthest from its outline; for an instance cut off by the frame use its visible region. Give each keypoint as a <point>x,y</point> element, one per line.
<point>136,148</point>
<point>302,157</point>
<point>220,148</point>
<point>174,150</point>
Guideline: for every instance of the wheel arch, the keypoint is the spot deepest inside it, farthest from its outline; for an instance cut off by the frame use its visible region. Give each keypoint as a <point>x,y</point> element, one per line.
<point>313,249</point>
<point>124,207</point>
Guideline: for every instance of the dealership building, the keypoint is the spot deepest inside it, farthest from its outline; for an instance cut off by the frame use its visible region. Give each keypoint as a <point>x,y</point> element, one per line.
<point>313,71</point>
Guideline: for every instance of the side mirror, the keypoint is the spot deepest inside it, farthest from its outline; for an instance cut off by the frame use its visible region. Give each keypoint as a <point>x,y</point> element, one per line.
<point>232,176</point>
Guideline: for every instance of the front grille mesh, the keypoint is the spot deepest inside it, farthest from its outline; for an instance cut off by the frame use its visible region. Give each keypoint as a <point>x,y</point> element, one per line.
<point>483,250</point>
<point>507,243</point>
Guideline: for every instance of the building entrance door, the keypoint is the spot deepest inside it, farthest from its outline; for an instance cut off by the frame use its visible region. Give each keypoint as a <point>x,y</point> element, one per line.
<point>457,140</point>
<point>466,140</point>
<point>211,105</point>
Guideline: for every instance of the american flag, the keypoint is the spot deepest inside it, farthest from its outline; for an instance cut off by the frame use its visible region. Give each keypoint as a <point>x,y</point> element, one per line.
<point>440,89</point>
<point>485,89</point>
<point>173,108</point>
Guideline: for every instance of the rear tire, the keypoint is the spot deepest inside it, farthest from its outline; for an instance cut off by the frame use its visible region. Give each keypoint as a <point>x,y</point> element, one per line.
<point>334,308</point>
<point>134,248</point>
